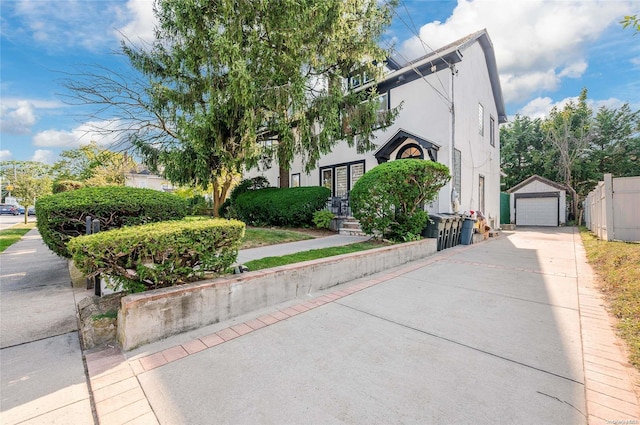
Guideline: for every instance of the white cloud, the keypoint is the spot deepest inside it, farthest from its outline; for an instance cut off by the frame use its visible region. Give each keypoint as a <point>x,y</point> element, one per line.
<point>5,155</point>
<point>537,108</point>
<point>14,102</point>
<point>517,87</point>
<point>541,106</point>
<point>17,119</point>
<point>63,24</point>
<point>536,41</point>
<point>574,70</point>
<point>611,103</point>
<point>635,62</point>
<point>140,21</point>
<point>56,138</point>
<point>44,155</point>
<point>81,135</point>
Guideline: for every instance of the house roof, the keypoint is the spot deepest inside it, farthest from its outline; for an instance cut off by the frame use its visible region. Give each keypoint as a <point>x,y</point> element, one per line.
<point>384,152</point>
<point>541,179</point>
<point>440,59</point>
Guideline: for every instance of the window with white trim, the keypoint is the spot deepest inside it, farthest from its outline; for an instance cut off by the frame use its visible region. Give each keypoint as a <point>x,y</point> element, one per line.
<point>481,119</point>
<point>492,131</point>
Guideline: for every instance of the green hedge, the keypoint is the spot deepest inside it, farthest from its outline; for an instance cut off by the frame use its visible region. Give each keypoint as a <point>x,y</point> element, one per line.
<point>61,217</point>
<point>66,186</point>
<point>227,209</point>
<point>158,255</point>
<point>281,207</point>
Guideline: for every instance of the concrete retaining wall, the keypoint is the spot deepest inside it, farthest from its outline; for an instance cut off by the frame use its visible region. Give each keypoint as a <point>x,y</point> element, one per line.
<point>154,315</point>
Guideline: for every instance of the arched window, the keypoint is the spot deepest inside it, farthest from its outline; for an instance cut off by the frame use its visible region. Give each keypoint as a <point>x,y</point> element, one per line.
<point>411,150</point>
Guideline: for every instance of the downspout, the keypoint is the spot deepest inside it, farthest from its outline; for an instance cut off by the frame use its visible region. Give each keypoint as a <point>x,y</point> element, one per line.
<point>455,201</point>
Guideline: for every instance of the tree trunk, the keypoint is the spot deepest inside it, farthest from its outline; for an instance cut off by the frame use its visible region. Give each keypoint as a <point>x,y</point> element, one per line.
<point>220,191</point>
<point>284,176</point>
<point>575,200</point>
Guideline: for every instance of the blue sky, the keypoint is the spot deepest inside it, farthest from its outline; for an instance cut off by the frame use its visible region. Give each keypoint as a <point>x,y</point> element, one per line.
<point>546,50</point>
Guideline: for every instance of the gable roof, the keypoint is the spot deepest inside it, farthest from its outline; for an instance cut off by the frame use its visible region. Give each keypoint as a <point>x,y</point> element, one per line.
<point>541,179</point>
<point>384,152</point>
<point>440,59</point>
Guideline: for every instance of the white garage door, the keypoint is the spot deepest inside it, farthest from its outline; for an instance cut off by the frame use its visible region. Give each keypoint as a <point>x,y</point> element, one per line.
<point>537,211</point>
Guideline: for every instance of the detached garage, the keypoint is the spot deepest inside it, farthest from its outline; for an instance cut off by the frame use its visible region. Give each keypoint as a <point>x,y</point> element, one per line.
<point>538,202</point>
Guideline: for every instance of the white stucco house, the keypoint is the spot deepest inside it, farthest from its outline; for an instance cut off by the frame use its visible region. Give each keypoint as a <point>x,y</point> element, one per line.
<point>452,105</point>
<point>537,201</point>
<point>143,178</point>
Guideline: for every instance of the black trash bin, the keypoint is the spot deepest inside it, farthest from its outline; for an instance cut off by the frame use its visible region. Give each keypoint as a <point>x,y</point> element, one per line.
<point>466,236</point>
<point>454,234</point>
<point>448,222</point>
<point>435,229</point>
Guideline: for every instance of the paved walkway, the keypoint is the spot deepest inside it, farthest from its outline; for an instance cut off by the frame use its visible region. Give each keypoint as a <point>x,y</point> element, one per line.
<point>506,331</point>
<point>489,333</point>
<point>42,374</point>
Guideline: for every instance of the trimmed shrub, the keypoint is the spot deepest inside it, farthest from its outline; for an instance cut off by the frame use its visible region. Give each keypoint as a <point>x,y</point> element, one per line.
<point>66,186</point>
<point>322,219</point>
<point>62,216</point>
<point>227,209</point>
<point>158,255</point>
<point>281,207</point>
<point>389,199</point>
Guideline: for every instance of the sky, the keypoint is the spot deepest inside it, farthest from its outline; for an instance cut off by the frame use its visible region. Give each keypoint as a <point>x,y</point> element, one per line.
<point>546,51</point>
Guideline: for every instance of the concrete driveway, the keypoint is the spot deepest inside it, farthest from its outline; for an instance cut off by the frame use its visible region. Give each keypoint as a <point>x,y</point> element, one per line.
<point>483,334</point>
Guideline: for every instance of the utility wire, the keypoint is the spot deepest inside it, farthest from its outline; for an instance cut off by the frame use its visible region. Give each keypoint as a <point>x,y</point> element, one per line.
<point>444,98</point>
<point>414,29</point>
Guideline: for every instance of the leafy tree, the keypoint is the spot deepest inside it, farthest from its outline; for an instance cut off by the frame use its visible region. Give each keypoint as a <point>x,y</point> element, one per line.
<point>93,166</point>
<point>522,150</point>
<point>570,132</point>
<point>234,84</point>
<point>631,21</point>
<point>30,180</point>
<point>573,146</point>
<point>615,147</point>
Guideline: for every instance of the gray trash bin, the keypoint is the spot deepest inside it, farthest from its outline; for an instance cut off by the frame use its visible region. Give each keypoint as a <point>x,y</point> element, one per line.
<point>466,236</point>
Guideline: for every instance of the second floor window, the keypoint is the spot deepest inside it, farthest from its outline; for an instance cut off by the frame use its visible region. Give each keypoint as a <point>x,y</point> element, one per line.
<point>492,131</point>
<point>481,119</point>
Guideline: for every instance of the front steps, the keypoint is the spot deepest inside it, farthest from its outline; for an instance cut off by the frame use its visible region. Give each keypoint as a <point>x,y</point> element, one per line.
<point>351,227</point>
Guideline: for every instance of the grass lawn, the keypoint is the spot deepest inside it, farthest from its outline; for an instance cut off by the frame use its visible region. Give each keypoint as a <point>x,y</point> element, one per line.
<point>255,237</point>
<point>13,234</point>
<point>618,266</point>
<point>265,263</point>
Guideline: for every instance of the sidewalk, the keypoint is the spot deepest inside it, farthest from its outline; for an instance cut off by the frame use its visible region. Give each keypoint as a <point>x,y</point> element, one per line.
<point>42,374</point>
<point>488,333</point>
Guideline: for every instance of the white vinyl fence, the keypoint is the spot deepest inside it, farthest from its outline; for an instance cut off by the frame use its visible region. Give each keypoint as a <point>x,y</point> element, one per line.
<point>612,209</point>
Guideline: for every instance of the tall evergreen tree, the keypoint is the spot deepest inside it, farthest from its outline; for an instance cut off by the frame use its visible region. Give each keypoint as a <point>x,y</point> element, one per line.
<point>240,81</point>
<point>522,151</point>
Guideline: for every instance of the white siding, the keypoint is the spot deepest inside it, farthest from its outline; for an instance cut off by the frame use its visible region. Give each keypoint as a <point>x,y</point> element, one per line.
<point>479,158</point>
<point>427,115</point>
